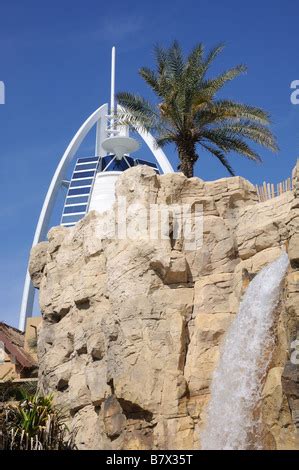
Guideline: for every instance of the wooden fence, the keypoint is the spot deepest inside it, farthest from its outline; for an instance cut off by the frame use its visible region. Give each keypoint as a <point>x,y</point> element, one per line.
<point>268,190</point>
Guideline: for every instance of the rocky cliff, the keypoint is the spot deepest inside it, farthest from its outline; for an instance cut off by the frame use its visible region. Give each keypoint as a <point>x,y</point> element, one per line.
<point>131,328</point>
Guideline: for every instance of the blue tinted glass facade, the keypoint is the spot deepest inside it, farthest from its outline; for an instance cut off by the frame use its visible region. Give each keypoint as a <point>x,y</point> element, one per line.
<point>76,200</point>
<point>83,174</point>
<point>79,191</point>
<point>88,166</point>
<point>89,159</point>
<point>71,219</point>
<point>85,182</point>
<point>75,209</point>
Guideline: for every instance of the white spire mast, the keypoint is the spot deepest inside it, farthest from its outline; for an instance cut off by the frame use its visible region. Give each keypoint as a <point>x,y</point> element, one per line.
<point>112,94</point>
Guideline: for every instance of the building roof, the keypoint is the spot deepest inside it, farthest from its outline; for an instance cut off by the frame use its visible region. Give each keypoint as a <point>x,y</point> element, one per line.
<point>13,340</point>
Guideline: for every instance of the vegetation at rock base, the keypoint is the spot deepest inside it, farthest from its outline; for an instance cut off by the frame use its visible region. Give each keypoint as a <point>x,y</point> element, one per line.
<point>188,114</point>
<point>34,424</point>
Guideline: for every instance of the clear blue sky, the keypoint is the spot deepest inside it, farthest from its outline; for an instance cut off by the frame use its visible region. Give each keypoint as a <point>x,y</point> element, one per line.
<point>55,62</point>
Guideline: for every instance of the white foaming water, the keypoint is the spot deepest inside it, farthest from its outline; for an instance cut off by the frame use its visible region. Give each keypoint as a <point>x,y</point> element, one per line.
<point>232,415</point>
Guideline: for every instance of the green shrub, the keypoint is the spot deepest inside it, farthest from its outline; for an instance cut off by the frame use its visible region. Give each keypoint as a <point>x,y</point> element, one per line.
<point>35,424</point>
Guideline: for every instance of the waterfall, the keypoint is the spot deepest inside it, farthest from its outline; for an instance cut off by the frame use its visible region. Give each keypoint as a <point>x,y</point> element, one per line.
<point>232,415</point>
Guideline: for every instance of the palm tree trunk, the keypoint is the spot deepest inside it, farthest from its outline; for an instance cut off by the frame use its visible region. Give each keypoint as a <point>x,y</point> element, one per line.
<point>188,157</point>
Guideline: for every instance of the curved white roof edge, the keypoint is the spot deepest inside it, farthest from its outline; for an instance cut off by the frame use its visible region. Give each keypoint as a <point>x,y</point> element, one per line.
<point>99,116</point>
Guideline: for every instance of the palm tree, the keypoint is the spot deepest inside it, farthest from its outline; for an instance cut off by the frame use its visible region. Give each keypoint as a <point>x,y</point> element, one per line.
<point>189,115</point>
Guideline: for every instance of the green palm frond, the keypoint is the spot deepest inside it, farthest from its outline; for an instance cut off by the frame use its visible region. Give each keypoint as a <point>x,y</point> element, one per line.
<point>151,79</point>
<point>194,65</point>
<point>212,55</point>
<point>221,157</point>
<point>215,84</point>
<point>225,112</point>
<point>137,112</point>
<point>257,133</point>
<point>161,58</point>
<point>165,139</point>
<point>241,111</point>
<point>175,61</point>
<point>230,143</point>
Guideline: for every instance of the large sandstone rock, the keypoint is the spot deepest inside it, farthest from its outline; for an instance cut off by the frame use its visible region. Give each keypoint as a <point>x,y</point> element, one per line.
<point>132,328</point>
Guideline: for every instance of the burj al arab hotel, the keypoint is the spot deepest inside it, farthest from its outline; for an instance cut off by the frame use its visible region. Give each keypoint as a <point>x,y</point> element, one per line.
<point>91,186</point>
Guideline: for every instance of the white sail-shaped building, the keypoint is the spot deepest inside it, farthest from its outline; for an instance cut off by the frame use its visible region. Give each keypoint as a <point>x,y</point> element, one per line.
<point>92,184</point>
